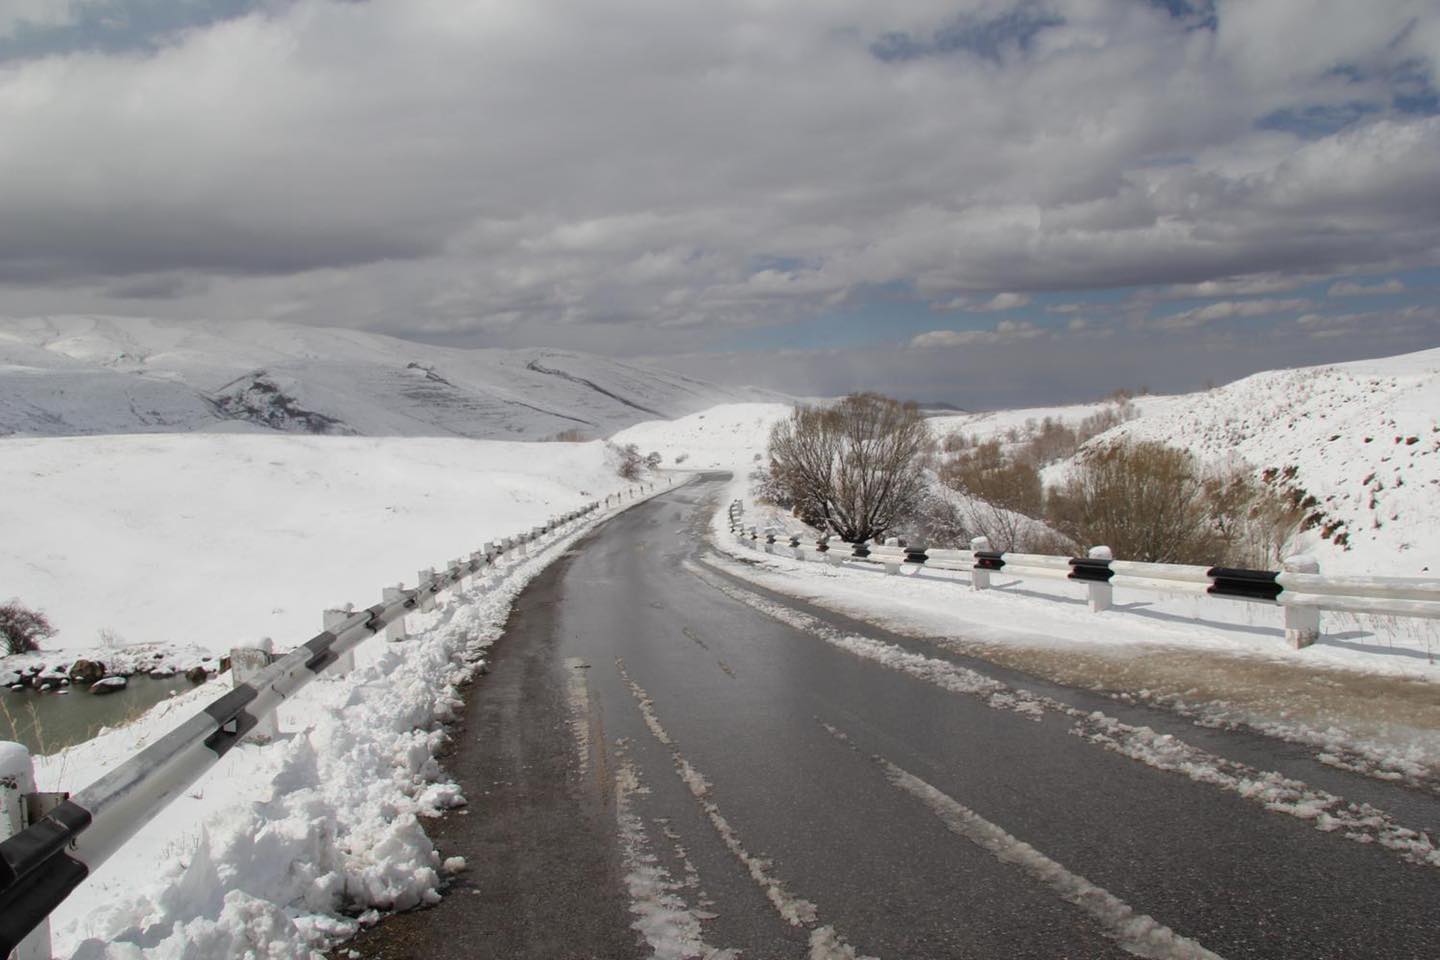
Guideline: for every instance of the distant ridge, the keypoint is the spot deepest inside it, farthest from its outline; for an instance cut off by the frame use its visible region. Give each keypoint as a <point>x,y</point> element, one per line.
<point>76,375</point>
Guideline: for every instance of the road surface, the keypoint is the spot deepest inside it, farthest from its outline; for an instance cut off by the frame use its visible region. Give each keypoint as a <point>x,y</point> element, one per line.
<point>668,761</point>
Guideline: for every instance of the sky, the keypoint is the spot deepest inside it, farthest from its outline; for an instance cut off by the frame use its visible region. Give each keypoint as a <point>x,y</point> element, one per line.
<point>979,202</point>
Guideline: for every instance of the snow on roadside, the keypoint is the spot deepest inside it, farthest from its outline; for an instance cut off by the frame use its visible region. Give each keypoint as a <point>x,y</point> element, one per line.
<point>285,848</point>
<point>1363,699</point>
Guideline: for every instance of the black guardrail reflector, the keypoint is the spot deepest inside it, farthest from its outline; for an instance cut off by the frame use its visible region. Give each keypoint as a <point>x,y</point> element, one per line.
<point>322,652</point>
<point>25,852</point>
<point>1092,569</point>
<point>1246,584</point>
<point>23,907</point>
<point>989,560</point>
<point>232,703</point>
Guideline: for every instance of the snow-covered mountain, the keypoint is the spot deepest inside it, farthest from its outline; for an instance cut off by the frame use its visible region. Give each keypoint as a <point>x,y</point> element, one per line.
<point>65,376</point>
<point>1361,438</point>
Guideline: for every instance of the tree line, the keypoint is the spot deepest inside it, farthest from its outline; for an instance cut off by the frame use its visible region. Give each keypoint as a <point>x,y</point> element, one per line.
<point>868,467</point>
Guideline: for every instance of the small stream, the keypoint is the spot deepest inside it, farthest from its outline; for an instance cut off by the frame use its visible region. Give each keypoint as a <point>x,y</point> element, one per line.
<point>48,722</point>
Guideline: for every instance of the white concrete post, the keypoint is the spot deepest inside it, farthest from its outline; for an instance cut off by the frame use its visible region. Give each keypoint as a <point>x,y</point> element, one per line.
<point>424,579</point>
<point>1101,594</point>
<point>346,661</point>
<point>17,782</point>
<point>1302,624</point>
<point>245,664</point>
<point>395,629</point>
<point>979,579</point>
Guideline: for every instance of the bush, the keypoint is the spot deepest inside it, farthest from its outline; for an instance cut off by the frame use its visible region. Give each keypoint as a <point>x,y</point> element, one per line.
<point>1144,500</point>
<point>629,464</point>
<point>985,472</point>
<point>854,468</point>
<point>22,629</point>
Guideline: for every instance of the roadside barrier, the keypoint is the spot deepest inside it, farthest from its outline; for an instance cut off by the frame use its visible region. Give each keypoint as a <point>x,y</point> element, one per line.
<point>49,843</point>
<point>1298,587</point>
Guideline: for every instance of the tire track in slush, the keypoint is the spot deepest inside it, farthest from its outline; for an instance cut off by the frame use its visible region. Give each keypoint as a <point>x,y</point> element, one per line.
<point>825,942</point>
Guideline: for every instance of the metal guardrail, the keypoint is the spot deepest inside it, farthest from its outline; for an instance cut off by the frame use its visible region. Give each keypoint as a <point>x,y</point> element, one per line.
<point>1299,588</point>
<point>43,863</point>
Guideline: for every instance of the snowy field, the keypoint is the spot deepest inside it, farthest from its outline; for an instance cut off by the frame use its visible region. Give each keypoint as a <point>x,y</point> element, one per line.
<point>203,542</point>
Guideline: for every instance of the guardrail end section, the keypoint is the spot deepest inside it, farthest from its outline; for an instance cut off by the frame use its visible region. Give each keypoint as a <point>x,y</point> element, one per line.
<point>18,805</point>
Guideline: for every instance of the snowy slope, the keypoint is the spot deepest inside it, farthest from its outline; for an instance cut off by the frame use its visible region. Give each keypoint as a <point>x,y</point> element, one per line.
<point>1362,438</point>
<point>727,437</point>
<point>218,540</point>
<point>62,376</point>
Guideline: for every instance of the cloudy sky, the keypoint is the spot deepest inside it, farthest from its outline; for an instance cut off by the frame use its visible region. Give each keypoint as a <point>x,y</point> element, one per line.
<point>985,202</point>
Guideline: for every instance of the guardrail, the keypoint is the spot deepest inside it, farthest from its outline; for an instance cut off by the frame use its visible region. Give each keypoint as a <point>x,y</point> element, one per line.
<point>1298,588</point>
<point>49,843</point>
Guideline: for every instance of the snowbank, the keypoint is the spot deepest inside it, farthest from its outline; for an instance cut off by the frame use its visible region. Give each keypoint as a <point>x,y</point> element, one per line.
<point>282,849</point>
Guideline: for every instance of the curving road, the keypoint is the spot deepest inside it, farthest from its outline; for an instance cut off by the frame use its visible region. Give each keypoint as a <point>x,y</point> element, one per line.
<point>668,761</point>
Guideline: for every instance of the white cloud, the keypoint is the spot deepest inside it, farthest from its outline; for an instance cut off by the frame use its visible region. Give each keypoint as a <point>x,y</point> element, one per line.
<point>1005,331</point>
<point>1000,301</point>
<point>450,166</point>
<point>1226,310</point>
<point>1413,320</point>
<point>1350,288</point>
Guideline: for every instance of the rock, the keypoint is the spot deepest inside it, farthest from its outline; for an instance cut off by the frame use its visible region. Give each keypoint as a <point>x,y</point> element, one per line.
<point>160,673</point>
<point>196,675</point>
<point>87,671</point>
<point>109,685</point>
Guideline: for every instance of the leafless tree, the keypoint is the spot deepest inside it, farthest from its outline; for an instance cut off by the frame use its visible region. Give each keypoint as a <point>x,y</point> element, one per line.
<point>22,629</point>
<point>854,468</point>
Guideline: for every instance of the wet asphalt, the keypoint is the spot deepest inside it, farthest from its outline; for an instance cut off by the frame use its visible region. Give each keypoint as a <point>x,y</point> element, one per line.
<point>745,797</point>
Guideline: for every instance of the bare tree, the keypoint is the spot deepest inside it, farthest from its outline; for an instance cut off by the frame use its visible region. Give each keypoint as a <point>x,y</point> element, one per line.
<point>22,629</point>
<point>854,468</point>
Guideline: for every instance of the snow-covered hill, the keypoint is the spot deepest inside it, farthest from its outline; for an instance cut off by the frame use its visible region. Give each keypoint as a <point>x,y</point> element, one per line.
<point>730,437</point>
<point>65,376</point>
<point>215,541</point>
<point>1362,438</point>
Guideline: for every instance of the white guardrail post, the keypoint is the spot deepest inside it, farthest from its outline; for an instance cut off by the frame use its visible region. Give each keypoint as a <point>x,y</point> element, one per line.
<point>1102,594</point>
<point>17,797</point>
<point>247,663</point>
<point>346,661</point>
<point>979,576</point>
<point>396,631</point>
<point>1302,623</point>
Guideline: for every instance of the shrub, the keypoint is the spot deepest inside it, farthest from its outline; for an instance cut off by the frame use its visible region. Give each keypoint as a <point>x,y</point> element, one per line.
<point>855,467</point>
<point>628,462</point>
<point>1145,500</point>
<point>22,629</point>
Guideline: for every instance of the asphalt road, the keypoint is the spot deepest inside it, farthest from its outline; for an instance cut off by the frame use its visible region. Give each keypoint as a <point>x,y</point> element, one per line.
<point>655,767</point>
